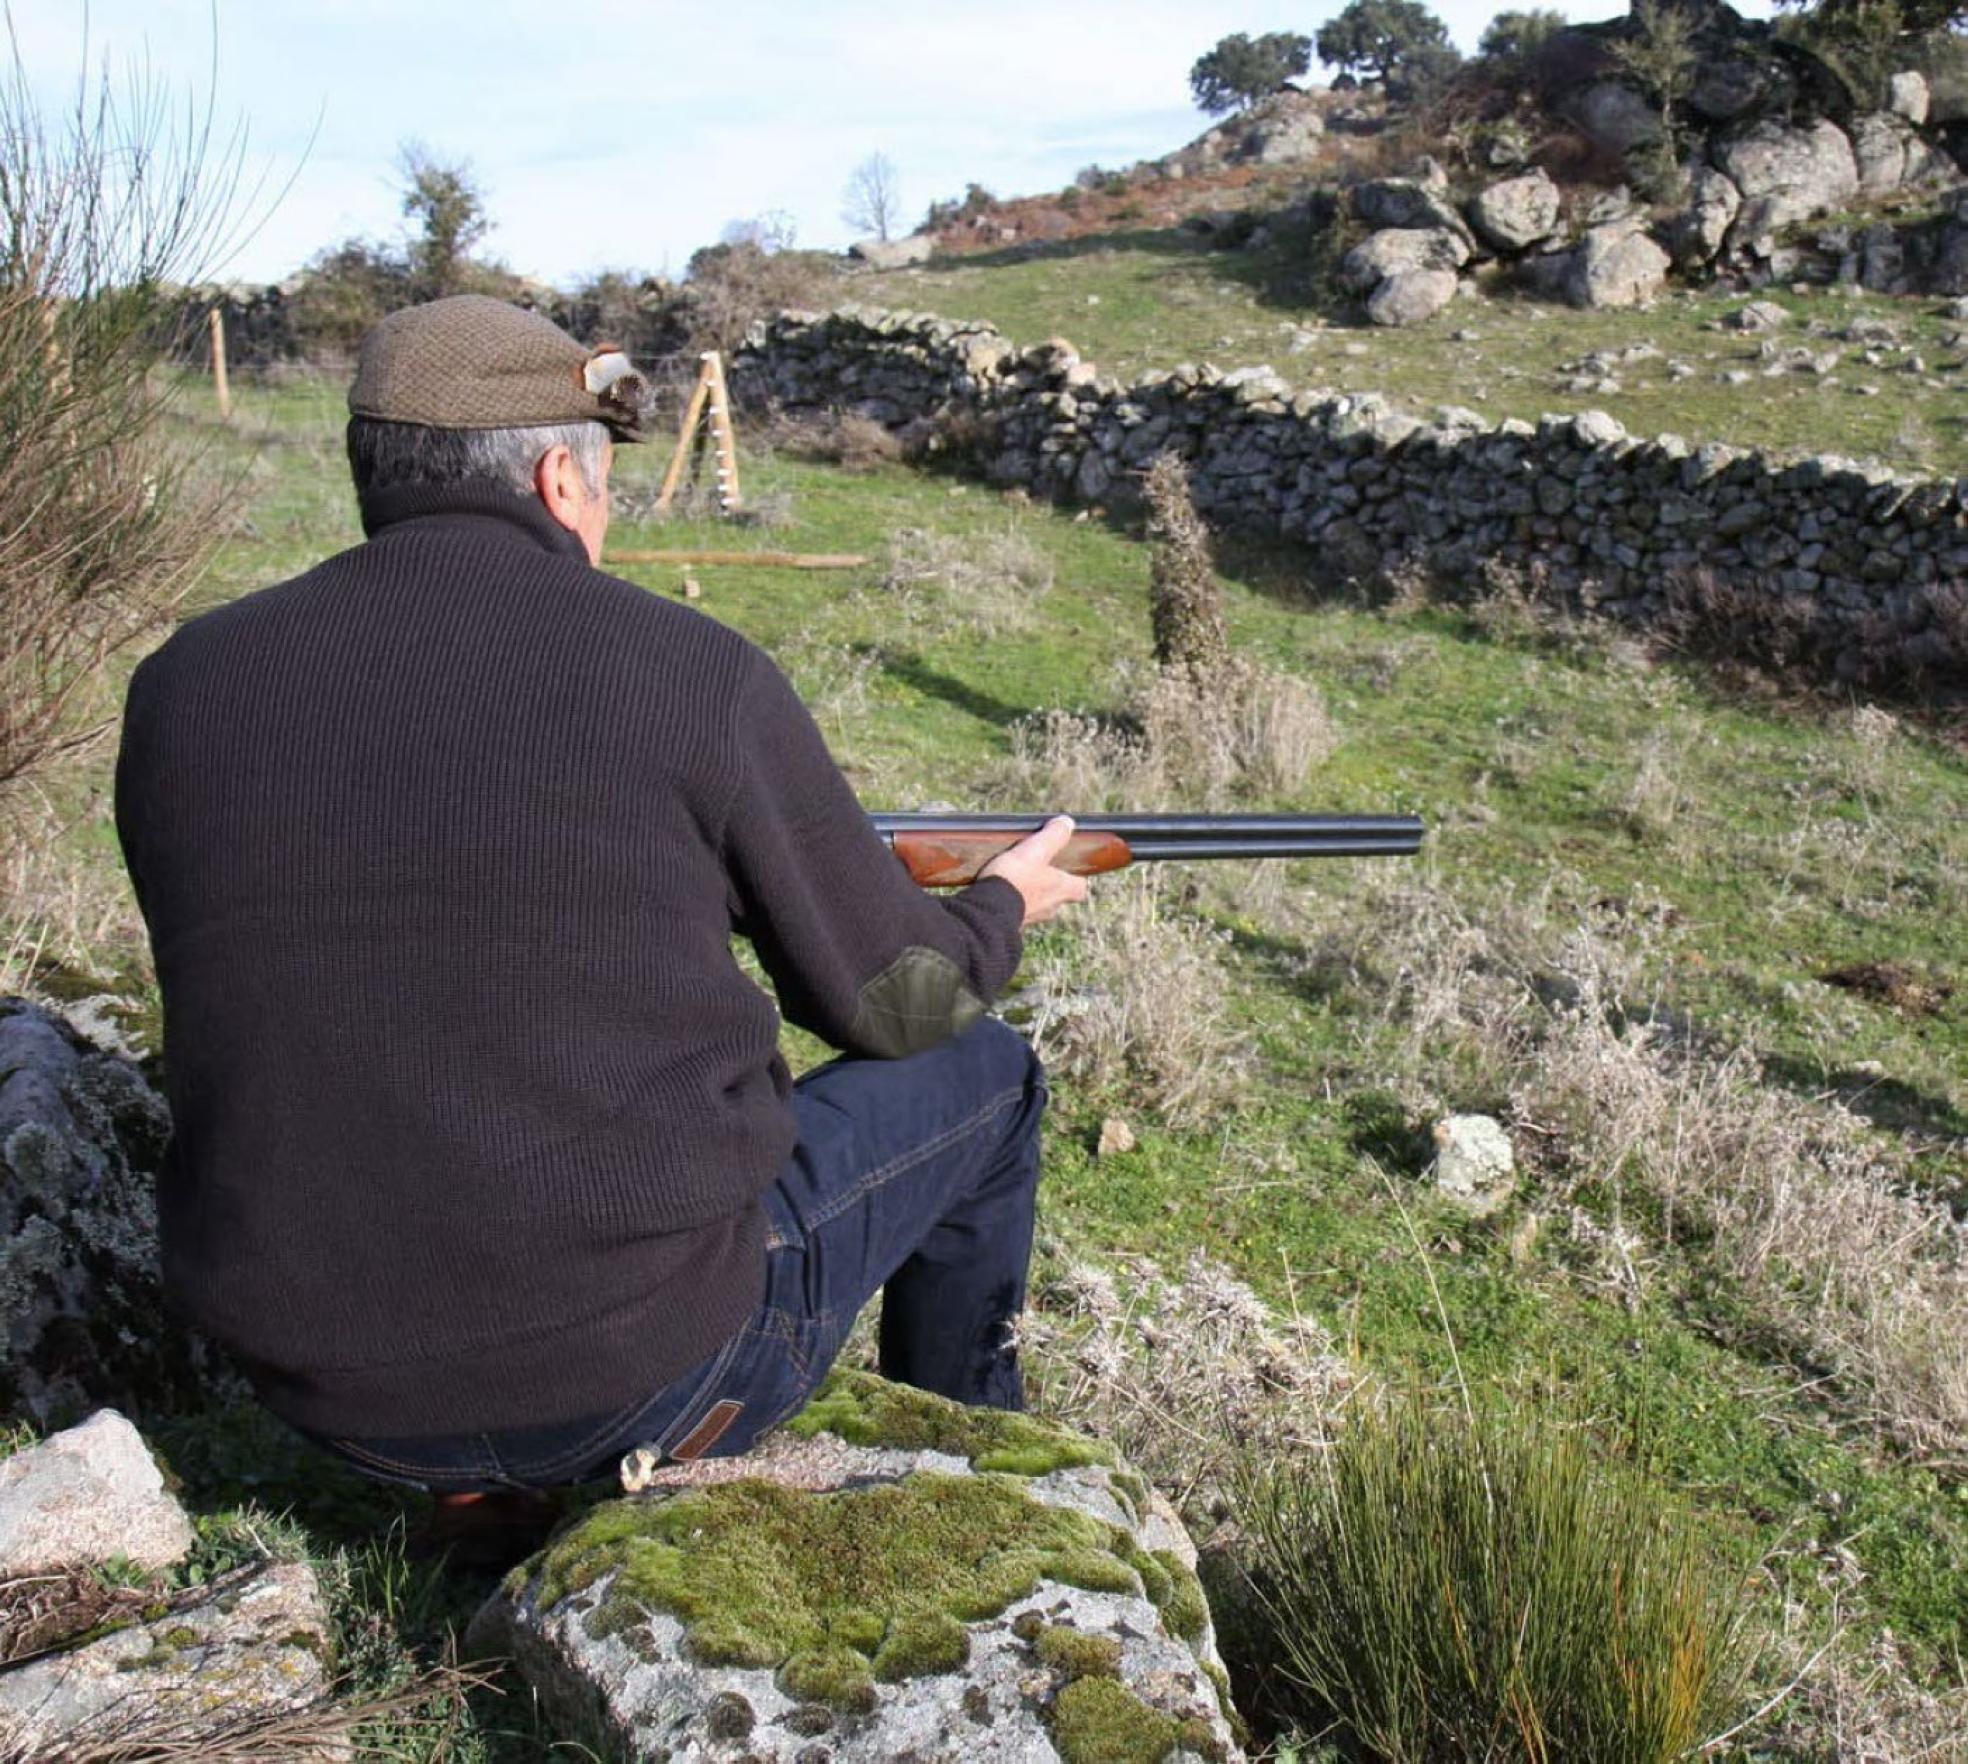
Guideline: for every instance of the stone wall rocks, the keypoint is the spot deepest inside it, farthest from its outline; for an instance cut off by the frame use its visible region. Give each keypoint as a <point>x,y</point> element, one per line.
<point>1864,565</point>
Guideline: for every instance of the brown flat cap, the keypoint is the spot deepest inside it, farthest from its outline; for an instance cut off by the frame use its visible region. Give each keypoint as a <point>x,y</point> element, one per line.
<point>472,362</point>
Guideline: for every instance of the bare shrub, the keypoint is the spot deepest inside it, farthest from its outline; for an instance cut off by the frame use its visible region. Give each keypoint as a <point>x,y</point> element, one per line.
<point>732,286</point>
<point>1136,999</point>
<point>1185,1374</point>
<point>104,529</point>
<point>839,437</point>
<point>1185,602</point>
<point>988,582</point>
<point>1078,763</point>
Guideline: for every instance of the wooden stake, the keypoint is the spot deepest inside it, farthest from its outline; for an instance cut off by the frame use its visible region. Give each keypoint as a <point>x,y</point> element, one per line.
<point>220,385</point>
<point>769,560</point>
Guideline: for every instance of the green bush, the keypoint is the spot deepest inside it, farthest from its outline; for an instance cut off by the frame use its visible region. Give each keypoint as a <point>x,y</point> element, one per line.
<point>1437,1586</point>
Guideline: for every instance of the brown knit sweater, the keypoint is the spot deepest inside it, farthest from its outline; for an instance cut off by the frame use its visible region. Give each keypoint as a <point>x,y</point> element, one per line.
<point>442,846</point>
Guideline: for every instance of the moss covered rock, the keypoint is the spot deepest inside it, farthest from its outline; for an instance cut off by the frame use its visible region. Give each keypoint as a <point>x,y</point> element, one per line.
<point>890,1576</point>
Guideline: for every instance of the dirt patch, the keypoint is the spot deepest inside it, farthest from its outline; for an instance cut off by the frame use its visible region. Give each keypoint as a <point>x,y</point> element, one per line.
<point>1894,983</point>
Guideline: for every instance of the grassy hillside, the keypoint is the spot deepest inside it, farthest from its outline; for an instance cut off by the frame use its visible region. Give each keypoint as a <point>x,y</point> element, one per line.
<point>1141,300</point>
<point>1736,1245</point>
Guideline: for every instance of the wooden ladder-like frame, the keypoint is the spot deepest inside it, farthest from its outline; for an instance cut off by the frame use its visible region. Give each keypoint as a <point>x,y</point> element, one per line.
<point>709,396</point>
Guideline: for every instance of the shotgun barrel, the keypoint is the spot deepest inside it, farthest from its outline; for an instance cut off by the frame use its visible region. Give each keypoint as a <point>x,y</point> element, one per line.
<point>946,850</point>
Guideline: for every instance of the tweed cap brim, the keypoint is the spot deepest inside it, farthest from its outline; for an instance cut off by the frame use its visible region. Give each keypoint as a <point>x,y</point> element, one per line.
<point>472,362</point>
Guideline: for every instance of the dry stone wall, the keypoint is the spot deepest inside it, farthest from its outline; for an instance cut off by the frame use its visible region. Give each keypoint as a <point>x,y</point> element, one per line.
<point>1855,568</point>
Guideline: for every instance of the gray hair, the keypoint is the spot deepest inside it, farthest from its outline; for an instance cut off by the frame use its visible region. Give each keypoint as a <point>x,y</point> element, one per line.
<point>387,456</point>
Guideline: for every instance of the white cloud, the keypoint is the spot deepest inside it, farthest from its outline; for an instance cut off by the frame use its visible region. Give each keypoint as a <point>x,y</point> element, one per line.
<point>631,134</point>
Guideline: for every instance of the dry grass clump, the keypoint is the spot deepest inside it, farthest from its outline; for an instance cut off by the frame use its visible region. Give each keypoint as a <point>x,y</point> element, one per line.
<point>1807,1214</point>
<point>1135,999</point>
<point>1186,1374</point>
<point>984,583</point>
<point>1249,734</point>
<point>61,904</point>
<point>838,437</point>
<point>1861,1702</point>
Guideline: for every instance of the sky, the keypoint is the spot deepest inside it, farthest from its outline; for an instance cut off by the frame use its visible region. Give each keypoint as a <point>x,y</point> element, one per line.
<point>623,134</point>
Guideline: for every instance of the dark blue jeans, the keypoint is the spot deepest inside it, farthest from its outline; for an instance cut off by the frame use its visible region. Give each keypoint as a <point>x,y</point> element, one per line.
<point>916,1177</point>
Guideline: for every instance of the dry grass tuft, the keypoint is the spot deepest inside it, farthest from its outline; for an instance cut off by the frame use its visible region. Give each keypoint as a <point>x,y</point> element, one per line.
<point>1808,1214</point>
<point>983,583</point>
<point>1135,999</point>
<point>842,438</point>
<point>1248,733</point>
<point>1186,1375</point>
<point>62,905</point>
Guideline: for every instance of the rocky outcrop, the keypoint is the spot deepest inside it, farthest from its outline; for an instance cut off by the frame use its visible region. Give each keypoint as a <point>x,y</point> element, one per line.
<point>891,1576</point>
<point>893,254</point>
<point>1787,174</point>
<point>82,1318</point>
<point>1409,297</point>
<point>1613,116</point>
<point>1860,565</point>
<point>1907,97</point>
<point>1697,233</point>
<point>1616,265</point>
<point>1517,213</point>
<point>1398,249</point>
<point>1287,128</point>
<point>1406,203</point>
<point>90,1494</point>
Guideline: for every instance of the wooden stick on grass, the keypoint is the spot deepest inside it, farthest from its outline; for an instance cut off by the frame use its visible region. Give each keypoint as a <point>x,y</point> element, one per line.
<point>771,560</point>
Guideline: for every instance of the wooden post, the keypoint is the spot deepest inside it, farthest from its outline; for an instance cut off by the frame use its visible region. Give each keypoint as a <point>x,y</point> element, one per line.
<point>727,445</point>
<point>220,385</point>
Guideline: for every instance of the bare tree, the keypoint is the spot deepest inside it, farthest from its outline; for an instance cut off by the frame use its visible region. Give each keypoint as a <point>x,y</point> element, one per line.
<point>873,198</point>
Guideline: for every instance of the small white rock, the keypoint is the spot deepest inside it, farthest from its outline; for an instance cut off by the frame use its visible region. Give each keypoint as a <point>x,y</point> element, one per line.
<point>1474,1163</point>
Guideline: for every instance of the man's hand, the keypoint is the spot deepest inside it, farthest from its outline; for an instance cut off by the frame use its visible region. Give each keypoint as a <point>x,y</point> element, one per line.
<point>1029,868</point>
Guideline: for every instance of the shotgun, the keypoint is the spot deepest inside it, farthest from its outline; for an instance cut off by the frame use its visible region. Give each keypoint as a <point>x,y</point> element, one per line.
<point>947,850</point>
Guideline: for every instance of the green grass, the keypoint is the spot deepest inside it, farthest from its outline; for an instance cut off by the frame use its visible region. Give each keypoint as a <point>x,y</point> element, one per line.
<point>1789,838</point>
<point>1147,300</point>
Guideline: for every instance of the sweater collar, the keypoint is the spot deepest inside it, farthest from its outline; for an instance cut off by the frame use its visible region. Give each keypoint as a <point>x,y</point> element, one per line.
<point>475,499</point>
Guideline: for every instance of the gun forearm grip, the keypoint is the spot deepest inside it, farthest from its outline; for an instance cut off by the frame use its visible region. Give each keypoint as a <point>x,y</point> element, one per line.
<point>949,860</point>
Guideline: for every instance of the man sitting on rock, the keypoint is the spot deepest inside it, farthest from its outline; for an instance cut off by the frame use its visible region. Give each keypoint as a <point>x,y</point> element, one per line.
<point>486,1164</point>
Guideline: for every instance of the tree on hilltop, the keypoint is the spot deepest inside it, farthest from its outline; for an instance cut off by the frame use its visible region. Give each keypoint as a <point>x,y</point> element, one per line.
<point>1378,38</point>
<point>447,205</point>
<point>1242,69</point>
<point>1513,36</point>
<point>872,201</point>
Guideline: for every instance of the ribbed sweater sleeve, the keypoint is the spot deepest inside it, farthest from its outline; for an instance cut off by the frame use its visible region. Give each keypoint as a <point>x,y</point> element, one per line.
<point>845,935</point>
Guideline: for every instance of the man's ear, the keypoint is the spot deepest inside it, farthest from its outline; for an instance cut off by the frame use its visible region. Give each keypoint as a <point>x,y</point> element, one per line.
<point>557,482</point>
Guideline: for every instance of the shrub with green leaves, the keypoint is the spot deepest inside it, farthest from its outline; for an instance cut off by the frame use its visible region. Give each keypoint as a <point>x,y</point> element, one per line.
<point>1446,1585</point>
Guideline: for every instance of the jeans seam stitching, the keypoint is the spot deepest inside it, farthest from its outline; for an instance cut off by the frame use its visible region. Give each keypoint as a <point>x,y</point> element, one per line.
<point>886,1173</point>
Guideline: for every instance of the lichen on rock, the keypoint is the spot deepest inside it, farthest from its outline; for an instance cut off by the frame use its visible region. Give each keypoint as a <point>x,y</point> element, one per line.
<point>892,1592</point>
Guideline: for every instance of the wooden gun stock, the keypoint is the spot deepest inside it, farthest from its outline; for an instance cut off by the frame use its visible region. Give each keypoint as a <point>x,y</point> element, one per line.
<point>949,860</point>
